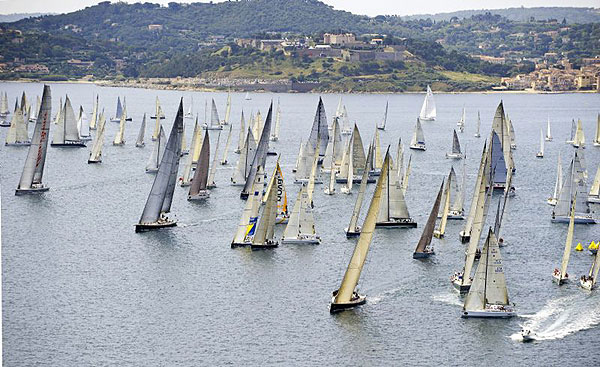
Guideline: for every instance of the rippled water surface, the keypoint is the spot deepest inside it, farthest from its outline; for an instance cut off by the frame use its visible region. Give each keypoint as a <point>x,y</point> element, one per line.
<point>81,288</point>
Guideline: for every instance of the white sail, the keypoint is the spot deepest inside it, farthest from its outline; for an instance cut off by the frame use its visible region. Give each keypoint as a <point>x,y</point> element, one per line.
<point>548,133</point>
<point>160,198</point>
<point>393,203</point>
<point>573,184</point>
<point>304,163</point>
<point>98,142</point>
<point>157,152</point>
<point>227,143</point>
<point>242,135</point>
<point>353,226</point>
<point>330,189</point>
<point>196,142</point>
<point>95,111</point>
<point>579,140</point>
<point>120,137</point>
<point>596,140</point>
<point>310,188</point>
<point>461,122</point>
<point>4,104</point>
<point>157,115</point>
<point>441,229</point>
<point>266,226</point>
<point>347,291</point>
<point>275,132</point>
<point>119,111</point>
<point>477,134</point>
<point>33,170</point>
<point>213,165</point>
<point>568,243</point>
<point>227,110</point>
<point>293,227</point>
<point>428,110</point>
<point>418,138</point>
<point>260,155</point>
<point>66,130</point>
<point>83,124</point>
<point>214,115</point>
<point>558,183</point>
<point>384,121</point>
<point>595,188</point>
<point>489,283</point>
<point>17,133</point>
<point>245,160</point>
<point>346,128</point>
<point>378,157</point>
<point>358,151</point>
<point>140,138</point>
<point>541,152</point>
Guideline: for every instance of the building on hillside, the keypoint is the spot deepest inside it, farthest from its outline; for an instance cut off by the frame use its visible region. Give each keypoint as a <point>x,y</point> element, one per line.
<point>339,39</point>
<point>32,68</point>
<point>268,45</point>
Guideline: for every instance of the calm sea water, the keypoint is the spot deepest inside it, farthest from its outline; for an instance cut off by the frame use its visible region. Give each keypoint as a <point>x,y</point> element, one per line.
<point>81,288</point>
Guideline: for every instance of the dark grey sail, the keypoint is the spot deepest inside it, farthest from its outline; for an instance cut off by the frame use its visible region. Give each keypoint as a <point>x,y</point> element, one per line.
<point>455,144</point>
<point>260,156</point>
<point>33,171</point>
<point>200,179</point>
<point>319,130</point>
<point>161,193</point>
<point>427,234</point>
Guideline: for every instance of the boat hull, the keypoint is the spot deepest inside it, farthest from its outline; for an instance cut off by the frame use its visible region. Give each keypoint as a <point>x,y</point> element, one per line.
<point>397,224</point>
<point>354,233</point>
<point>316,240</point>
<point>456,282</point>
<point>119,120</point>
<point>558,280</point>
<point>18,144</point>
<point>577,220</point>
<point>418,147</point>
<point>464,238</point>
<point>240,244</point>
<point>593,199</point>
<point>264,246</point>
<point>74,144</point>
<point>586,284</point>
<point>140,145</point>
<point>202,195</point>
<point>423,255</point>
<point>90,161</point>
<point>488,314</point>
<point>454,155</point>
<point>145,227</point>
<point>552,201</point>
<point>33,190</point>
<point>338,307</point>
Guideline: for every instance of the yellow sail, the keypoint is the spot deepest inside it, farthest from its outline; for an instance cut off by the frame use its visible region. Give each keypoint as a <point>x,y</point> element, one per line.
<point>439,233</point>
<point>357,261</point>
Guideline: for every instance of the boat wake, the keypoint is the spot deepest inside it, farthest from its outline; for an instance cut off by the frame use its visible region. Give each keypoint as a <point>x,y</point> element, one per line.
<point>562,317</point>
<point>448,298</point>
<point>373,300</point>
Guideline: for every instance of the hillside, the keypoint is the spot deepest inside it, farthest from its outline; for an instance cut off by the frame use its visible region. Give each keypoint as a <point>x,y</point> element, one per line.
<point>522,14</point>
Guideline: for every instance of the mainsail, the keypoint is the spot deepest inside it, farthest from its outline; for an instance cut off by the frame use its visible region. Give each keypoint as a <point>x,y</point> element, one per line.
<point>384,121</point>
<point>17,133</point>
<point>157,152</point>
<point>241,138</point>
<point>428,110</point>
<point>161,194</point>
<point>260,155</point>
<point>140,139</point>
<point>31,177</point>
<point>200,180</point>
<point>97,144</point>
<point>319,130</point>
<point>425,240</point>
<point>120,137</point>
<point>353,226</point>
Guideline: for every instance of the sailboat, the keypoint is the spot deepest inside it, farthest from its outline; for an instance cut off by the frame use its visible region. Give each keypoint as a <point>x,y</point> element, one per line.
<point>17,134</point>
<point>83,125</point>
<point>461,122</point>
<point>120,137</point>
<point>227,110</point>
<point>428,110</point>
<point>213,166</point>
<point>330,189</point>
<point>215,123</point>
<point>353,228</point>
<point>247,225</point>
<point>445,208</point>
<point>184,149</point>
<point>560,275</point>
<point>157,124</point>
<point>347,295</point>
<point>540,154</point>
<point>66,134</point>
<point>457,195</point>
<point>158,205</point>
<point>242,169</point>
<point>33,170</point>
<point>548,133</point>
<point>393,212</point>
<point>319,132</point>
<point>418,139</point>
<point>301,225</point>
<point>423,251</point>
<point>260,156</point>
<point>377,157</point>
<point>120,111</point>
<point>594,196</point>
<point>242,135</point>
<point>157,152</point>
<point>190,114</point>
<point>275,133</point>
<point>596,140</point>
<point>589,281</point>
<point>198,187</point>
<point>98,142</point>
<point>348,166</point>
<point>159,112</point>
<point>59,112</point>
<point>579,140</point>
<point>383,122</point>
<point>333,157</point>
<point>140,138</point>
<point>227,143</point>
<point>346,128</point>
<point>571,139</point>
<point>474,226</point>
<point>455,153</point>
<point>511,133</point>
<point>4,111</point>
<point>95,112</point>
<point>574,184</point>
<point>477,134</point>
<point>247,97</point>
<point>558,184</point>
<point>263,239</point>
<point>488,295</point>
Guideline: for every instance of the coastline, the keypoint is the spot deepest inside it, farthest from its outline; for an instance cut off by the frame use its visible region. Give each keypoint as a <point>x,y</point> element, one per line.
<point>140,83</point>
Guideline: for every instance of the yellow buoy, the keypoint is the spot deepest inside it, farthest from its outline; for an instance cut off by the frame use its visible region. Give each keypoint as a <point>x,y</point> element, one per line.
<point>595,245</point>
<point>592,245</point>
<point>579,247</point>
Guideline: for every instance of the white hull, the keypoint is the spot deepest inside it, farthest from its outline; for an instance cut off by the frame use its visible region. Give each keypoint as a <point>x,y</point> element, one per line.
<point>426,118</point>
<point>454,155</point>
<point>206,127</point>
<point>456,280</point>
<point>304,240</point>
<point>418,147</point>
<point>496,312</point>
<point>556,278</point>
<point>593,199</point>
<point>552,201</point>
<point>329,192</point>
<point>586,284</point>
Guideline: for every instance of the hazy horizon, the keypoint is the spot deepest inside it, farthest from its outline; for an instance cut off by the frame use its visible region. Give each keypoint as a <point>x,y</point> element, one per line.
<point>371,8</point>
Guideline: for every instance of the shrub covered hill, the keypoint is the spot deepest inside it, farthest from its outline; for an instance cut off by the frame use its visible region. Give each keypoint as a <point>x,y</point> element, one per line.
<point>120,41</point>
